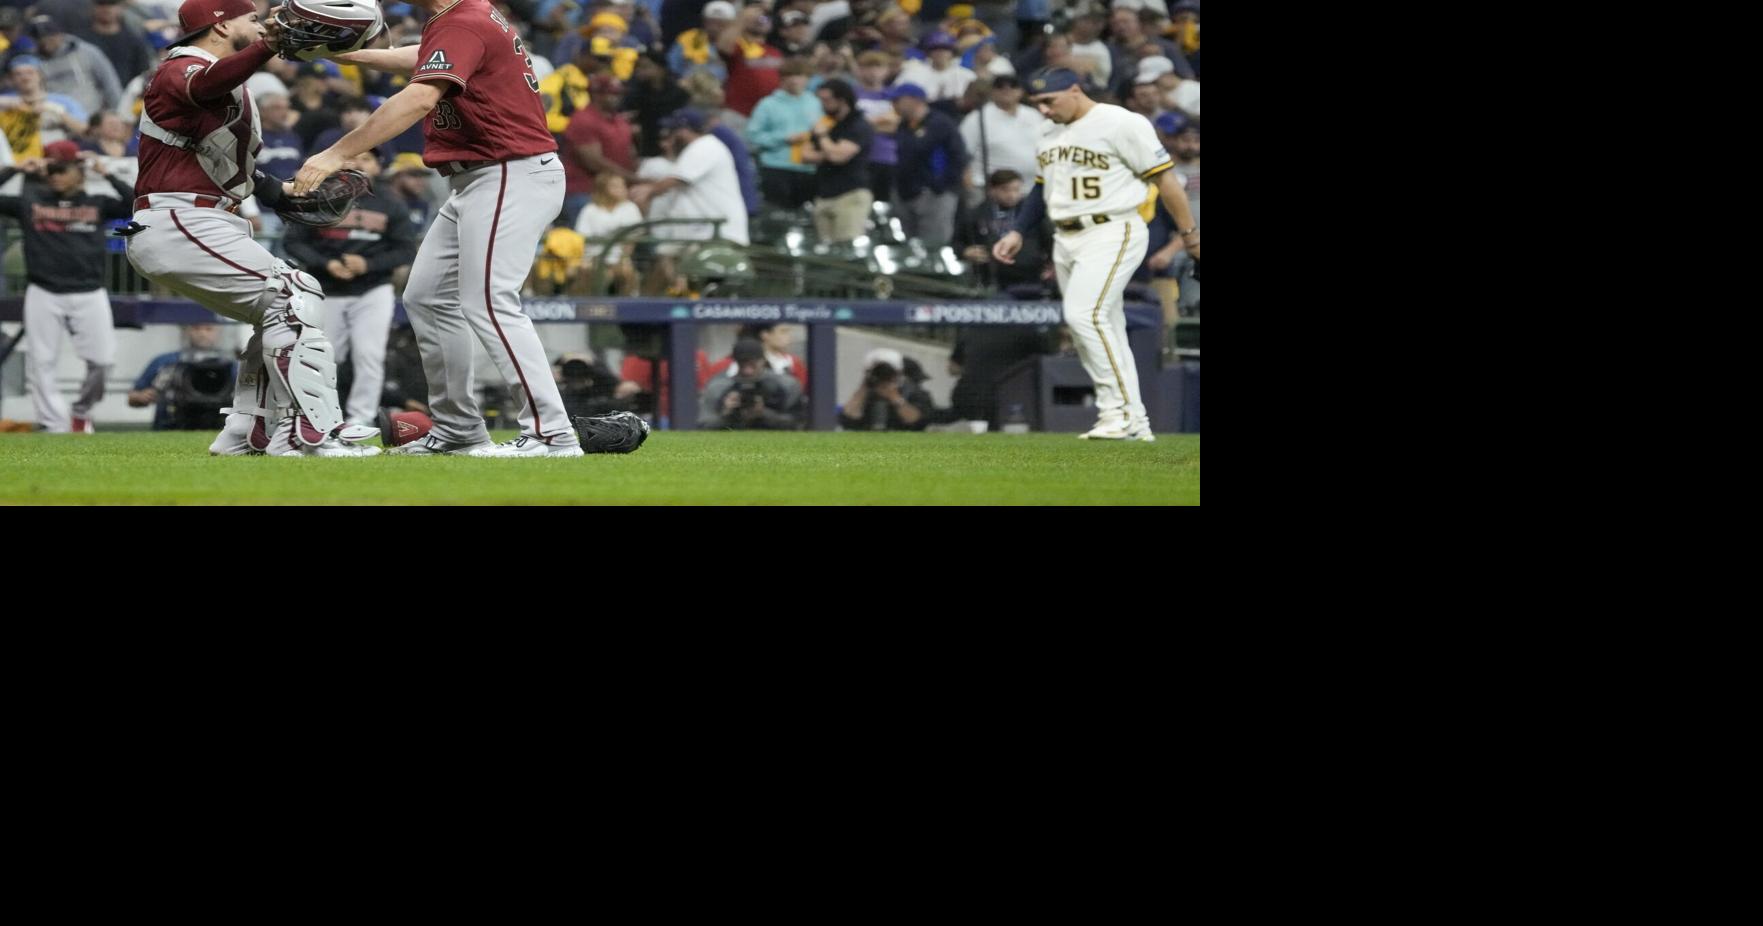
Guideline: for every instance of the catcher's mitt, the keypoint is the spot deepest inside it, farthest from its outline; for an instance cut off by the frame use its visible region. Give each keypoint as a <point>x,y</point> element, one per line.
<point>328,202</point>
<point>619,432</point>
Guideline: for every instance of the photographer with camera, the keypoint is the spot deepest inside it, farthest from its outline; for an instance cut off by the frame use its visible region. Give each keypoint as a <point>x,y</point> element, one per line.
<point>189,386</point>
<point>755,398</point>
<point>887,400</point>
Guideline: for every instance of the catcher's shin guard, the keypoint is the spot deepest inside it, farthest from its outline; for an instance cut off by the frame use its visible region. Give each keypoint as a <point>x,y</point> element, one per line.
<point>303,374</point>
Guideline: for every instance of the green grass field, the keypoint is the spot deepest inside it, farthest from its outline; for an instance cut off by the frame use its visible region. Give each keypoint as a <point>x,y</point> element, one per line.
<point>684,468</point>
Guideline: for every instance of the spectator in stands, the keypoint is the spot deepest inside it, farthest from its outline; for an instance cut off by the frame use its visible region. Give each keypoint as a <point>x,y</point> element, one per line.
<point>886,400</point>
<point>126,49</point>
<point>1090,56</point>
<point>779,132</point>
<point>31,116</point>
<point>874,103</point>
<point>609,39</point>
<point>1130,39</point>
<point>841,153</point>
<point>744,169</point>
<point>113,140</point>
<point>1184,19</point>
<point>652,95</point>
<point>350,115</point>
<point>1174,91</point>
<point>793,34</point>
<point>696,49</point>
<point>157,384</point>
<point>314,100</point>
<point>984,59</point>
<point>943,80</point>
<point>894,32</point>
<point>752,66</point>
<point>755,398</point>
<point>282,152</point>
<point>598,141</point>
<point>702,180</point>
<point>1145,99</point>
<point>984,226</point>
<point>932,163</point>
<point>1001,135</point>
<point>607,213</point>
<point>565,90</point>
<point>833,63</point>
<point>75,68</point>
<point>412,185</point>
<point>776,339</point>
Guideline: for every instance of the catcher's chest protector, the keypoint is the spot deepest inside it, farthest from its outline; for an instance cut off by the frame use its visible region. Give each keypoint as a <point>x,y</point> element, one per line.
<point>228,154</point>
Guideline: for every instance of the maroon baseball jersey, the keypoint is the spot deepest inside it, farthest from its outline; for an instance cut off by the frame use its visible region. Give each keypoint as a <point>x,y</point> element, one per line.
<point>169,103</point>
<point>492,111</point>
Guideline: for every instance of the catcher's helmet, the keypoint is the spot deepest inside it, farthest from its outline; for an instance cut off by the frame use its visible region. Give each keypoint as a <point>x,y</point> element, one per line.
<point>317,28</point>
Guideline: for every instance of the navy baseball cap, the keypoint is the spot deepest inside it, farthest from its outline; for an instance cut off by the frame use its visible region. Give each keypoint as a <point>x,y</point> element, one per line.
<point>1171,123</point>
<point>1052,80</point>
<point>687,118</point>
<point>911,90</point>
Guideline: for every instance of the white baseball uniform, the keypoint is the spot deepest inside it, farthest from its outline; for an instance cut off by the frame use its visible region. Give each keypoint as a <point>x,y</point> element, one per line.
<point>1093,176</point>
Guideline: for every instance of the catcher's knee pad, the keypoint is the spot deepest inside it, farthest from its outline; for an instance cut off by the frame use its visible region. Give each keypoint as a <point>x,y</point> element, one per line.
<point>291,297</point>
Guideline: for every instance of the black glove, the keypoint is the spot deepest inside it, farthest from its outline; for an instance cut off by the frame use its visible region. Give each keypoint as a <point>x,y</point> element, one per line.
<point>619,432</point>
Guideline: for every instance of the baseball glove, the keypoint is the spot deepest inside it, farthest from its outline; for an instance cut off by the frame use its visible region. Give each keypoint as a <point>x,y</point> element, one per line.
<point>619,432</point>
<point>329,202</point>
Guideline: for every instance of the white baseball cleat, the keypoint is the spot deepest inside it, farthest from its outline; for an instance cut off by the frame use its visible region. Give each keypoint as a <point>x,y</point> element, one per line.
<point>528,447</point>
<point>1138,432</point>
<point>330,448</point>
<point>432,446</point>
<point>234,440</point>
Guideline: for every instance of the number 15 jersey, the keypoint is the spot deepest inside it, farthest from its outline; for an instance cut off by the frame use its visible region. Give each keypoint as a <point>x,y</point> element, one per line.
<point>1098,164</point>
<point>492,110</point>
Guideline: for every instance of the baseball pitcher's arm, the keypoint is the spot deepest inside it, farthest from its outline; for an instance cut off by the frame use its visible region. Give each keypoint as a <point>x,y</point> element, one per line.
<point>222,77</point>
<point>1175,198</point>
<point>388,122</point>
<point>390,60</point>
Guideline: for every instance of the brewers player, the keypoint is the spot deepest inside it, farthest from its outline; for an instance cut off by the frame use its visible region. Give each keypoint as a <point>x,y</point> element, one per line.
<point>199,141</point>
<point>63,230</point>
<point>471,81</point>
<point>1095,161</point>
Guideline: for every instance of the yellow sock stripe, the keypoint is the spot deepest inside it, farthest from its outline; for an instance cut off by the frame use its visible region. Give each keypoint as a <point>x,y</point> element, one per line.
<point>1096,322</point>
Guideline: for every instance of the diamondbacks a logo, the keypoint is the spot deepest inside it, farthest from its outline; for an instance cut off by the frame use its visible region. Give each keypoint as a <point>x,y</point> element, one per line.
<point>218,14</point>
<point>436,62</point>
<point>406,431</point>
<point>192,69</point>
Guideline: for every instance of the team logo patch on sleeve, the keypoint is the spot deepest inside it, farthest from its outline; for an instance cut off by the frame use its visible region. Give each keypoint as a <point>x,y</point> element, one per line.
<point>436,62</point>
<point>192,69</point>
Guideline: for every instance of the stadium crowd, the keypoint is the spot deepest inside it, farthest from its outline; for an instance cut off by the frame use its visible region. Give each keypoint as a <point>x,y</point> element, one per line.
<point>843,114</point>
